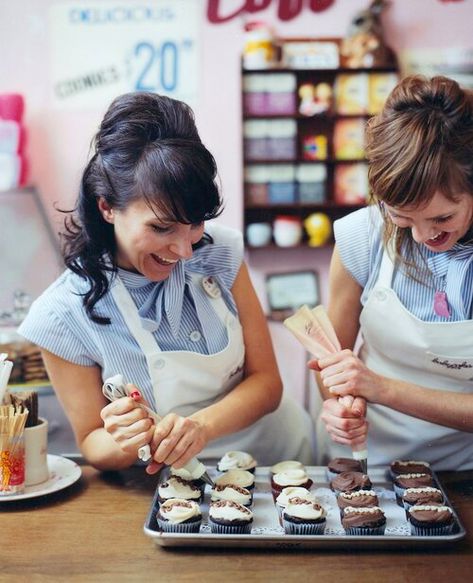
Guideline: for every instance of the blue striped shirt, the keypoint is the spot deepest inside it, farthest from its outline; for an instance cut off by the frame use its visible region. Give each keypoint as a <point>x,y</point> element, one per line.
<point>359,241</point>
<point>177,311</point>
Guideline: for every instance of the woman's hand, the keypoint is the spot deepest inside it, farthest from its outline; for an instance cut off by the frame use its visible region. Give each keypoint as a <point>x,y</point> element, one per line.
<point>128,424</point>
<point>175,441</point>
<point>345,425</point>
<point>344,373</point>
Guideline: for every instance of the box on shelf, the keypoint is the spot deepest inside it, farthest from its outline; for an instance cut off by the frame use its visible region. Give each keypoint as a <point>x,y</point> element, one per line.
<point>281,94</point>
<point>351,93</point>
<point>311,183</point>
<point>349,139</point>
<point>254,94</point>
<point>351,184</point>
<point>379,87</point>
<point>314,147</point>
<point>256,184</point>
<point>282,186</point>
<point>282,143</point>
<point>255,136</point>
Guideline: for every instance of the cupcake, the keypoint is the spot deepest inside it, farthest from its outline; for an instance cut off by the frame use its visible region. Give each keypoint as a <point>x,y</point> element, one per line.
<point>237,460</point>
<point>357,499</point>
<point>342,464</point>
<point>369,521</point>
<point>431,519</point>
<point>426,495</point>
<point>231,492</point>
<point>228,517</point>
<point>302,516</point>
<point>294,477</point>
<point>241,478</point>
<point>350,481</point>
<point>176,487</point>
<point>187,476</point>
<point>286,465</point>
<point>404,481</point>
<point>408,467</point>
<point>178,515</point>
<point>291,492</point>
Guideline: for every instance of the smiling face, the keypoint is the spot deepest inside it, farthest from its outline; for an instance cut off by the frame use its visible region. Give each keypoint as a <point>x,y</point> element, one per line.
<point>439,224</point>
<point>147,242</point>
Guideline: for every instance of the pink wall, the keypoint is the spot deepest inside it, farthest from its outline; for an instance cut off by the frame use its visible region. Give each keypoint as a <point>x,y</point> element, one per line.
<point>59,140</point>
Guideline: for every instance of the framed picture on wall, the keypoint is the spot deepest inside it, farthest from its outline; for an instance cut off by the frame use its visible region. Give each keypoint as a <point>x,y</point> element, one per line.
<point>286,292</point>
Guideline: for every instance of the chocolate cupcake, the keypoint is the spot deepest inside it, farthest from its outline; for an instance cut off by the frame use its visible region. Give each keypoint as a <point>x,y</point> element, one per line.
<point>357,499</point>
<point>228,517</point>
<point>177,515</point>
<point>231,492</point>
<point>426,495</point>
<point>237,460</point>
<point>364,521</point>
<point>431,520</point>
<point>350,481</point>
<point>408,467</point>
<point>295,477</point>
<point>303,517</point>
<point>342,464</point>
<point>176,487</point>
<point>404,481</point>
<point>187,476</point>
<point>241,478</point>
<point>291,492</point>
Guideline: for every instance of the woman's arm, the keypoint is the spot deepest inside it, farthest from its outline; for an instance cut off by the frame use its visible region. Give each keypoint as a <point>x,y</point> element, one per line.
<point>178,439</point>
<point>79,390</point>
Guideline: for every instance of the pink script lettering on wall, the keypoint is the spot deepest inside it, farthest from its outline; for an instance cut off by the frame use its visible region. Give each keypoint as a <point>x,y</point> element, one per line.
<point>287,9</point>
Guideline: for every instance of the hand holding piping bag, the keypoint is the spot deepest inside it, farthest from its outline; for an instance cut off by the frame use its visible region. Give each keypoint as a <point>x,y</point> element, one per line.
<point>316,333</point>
<point>114,388</point>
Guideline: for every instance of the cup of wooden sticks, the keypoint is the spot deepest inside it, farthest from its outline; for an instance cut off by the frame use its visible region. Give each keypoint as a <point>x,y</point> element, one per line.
<point>36,438</point>
<point>12,449</point>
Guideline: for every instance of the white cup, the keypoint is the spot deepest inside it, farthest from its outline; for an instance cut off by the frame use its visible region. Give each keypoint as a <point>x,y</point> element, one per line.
<point>258,234</point>
<point>36,453</point>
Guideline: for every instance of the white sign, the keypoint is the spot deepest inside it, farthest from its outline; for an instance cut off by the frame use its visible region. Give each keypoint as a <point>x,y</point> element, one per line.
<point>102,49</point>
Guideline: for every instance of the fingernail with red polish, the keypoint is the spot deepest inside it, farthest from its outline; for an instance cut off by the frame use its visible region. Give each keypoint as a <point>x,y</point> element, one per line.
<point>136,395</point>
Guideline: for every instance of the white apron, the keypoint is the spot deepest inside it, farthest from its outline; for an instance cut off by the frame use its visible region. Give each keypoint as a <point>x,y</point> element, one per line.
<point>437,355</point>
<point>185,382</point>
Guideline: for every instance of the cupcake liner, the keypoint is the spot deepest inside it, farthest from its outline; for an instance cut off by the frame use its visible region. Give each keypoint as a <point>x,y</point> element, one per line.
<point>399,491</point>
<point>331,475</point>
<point>365,530</point>
<point>181,527</point>
<point>229,529</point>
<point>304,529</point>
<point>432,530</point>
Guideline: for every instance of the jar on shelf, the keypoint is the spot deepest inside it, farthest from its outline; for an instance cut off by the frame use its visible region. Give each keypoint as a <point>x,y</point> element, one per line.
<point>287,231</point>
<point>259,50</point>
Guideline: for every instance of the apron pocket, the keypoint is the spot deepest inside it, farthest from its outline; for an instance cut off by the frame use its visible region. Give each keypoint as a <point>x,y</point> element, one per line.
<point>455,367</point>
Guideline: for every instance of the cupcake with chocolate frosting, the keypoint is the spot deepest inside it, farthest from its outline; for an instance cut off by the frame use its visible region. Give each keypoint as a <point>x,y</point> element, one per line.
<point>431,519</point>
<point>178,515</point>
<point>350,481</point>
<point>228,517</point>
<point>408,467</point>
<point>357,499</point>
<point>231,492</point>
<point>404,481</point>
<point>237,460</point>
<point>369,521</point>
<point>425,495</point>
<point>342,464</point>
<point>303,517</point>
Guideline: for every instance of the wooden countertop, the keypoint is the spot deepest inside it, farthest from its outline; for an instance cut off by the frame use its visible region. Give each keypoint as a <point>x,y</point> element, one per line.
<point>93,531</point>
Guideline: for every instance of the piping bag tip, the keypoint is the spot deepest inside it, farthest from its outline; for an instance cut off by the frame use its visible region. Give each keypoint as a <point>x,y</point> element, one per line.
<point>361,455</point>
<point>207,479</point>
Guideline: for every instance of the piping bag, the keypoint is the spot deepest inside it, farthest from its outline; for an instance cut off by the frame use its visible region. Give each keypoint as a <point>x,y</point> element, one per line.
<point>115,388</point>
<point>315,332</point>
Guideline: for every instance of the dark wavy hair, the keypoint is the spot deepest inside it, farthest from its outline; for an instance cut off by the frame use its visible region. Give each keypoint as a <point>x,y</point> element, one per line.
<point>147,148</point>
<point>421,143</point>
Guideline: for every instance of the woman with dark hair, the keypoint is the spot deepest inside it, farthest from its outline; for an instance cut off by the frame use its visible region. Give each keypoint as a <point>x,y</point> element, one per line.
<point>402,275</point>
<point>153,292</point>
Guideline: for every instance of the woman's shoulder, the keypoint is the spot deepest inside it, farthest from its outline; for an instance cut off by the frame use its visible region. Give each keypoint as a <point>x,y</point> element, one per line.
<point>227,236</point>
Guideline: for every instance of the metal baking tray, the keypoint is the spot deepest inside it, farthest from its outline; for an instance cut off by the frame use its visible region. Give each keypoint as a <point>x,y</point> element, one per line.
<point>267,532</point>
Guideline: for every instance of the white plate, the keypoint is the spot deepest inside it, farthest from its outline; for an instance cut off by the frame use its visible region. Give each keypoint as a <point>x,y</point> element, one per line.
<point>62,473</point>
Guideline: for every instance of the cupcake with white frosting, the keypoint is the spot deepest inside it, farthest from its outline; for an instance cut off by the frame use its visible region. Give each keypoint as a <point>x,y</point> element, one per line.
<point>176,487</point>
<point>237,460</point>
<point>177,515</point>
<point>289,477</point>
<point>187,476</point>
<point>228,517</point>
<point>231,492</point>
<point>286,465</point>
<point>303,517</point>
<point>291,492</point>
<point>241,478</point>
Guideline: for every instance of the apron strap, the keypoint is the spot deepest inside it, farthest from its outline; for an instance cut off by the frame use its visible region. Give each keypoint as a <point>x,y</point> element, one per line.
<point>387,268</point>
